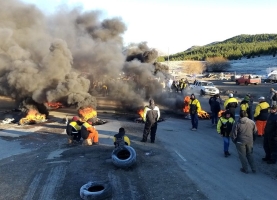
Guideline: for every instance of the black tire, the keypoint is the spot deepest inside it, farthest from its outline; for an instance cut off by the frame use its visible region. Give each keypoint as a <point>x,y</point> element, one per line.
<point>237,82</point>
<point>124,157</point>
<point>246,83</point>
<point>202,92</point>
<point>96,190</point>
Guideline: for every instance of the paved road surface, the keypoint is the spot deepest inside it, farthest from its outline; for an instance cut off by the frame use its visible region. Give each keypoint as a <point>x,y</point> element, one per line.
<point>200,154</point>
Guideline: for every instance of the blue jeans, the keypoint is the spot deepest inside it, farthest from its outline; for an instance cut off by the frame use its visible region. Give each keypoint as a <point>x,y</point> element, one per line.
<point>214,117</point>
<point>226,142</point>
<point>194,120</point>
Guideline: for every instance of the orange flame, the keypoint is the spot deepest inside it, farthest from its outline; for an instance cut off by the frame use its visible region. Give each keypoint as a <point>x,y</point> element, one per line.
<point>220,113</point>
<point>54,105</point>
<point>140,112</point>
<point>203,114</point>
<point>33,116</point>
<point>87,113</point>
<point>186,102</point>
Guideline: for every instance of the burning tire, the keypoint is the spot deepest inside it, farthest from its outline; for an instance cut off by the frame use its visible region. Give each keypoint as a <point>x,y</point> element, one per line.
<point>124,156</point>
<point>96,190</point>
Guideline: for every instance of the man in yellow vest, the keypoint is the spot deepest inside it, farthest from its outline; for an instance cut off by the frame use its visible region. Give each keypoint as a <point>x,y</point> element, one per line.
<point>260,115</point>
<point>244,105</point>
<point>73,130</point>
<point>231,104</point>
<point>194,108</point>
<point>224,128</point>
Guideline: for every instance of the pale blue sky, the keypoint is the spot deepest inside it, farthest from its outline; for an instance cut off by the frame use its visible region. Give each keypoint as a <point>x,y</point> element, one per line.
<point>176,25</point>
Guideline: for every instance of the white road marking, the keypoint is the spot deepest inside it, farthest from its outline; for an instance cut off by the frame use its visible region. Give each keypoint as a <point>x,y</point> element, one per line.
<point>180,156</point>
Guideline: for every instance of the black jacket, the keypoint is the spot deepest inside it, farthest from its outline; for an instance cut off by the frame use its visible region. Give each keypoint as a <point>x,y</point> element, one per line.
<point>270,130</point>
<point>214,104</point>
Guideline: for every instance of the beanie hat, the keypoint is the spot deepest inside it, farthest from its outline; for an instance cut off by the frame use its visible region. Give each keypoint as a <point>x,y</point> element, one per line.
<point>75,118</point>
<point>231,95</point>
<point>121,131</point>
<point>246,98</point>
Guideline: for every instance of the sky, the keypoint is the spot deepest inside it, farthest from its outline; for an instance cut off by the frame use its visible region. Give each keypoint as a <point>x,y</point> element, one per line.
<point>173,26</point>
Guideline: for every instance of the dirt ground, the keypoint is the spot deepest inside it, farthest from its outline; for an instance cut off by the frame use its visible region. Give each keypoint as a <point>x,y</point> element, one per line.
<point>52,169</point>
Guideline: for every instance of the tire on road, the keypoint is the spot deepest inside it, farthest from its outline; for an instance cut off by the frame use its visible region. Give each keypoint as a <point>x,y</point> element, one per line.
<point>94,190</point>
<point>124,157</point>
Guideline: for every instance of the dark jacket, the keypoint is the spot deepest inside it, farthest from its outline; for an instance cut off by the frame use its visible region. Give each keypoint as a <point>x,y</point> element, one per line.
<point>151,114</point>
<point>244,131</point>
<point>214,104</point>
<point>270,131</point>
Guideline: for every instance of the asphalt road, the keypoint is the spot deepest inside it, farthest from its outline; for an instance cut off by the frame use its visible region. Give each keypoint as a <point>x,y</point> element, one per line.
<point>200,154</point>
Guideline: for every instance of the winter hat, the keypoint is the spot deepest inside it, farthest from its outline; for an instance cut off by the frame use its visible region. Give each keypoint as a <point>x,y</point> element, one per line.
<point>231,95</point>
<point>75,118</point>
<point>121,131</point>
<point>261,98</point>
<point>274,107</point>
<point>246,98</point>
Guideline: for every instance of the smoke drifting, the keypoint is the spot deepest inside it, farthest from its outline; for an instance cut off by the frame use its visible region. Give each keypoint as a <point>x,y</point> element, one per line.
<point>69,55</point>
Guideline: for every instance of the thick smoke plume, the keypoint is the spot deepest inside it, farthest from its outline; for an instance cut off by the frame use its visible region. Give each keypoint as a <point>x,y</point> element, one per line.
<point>71,57</point>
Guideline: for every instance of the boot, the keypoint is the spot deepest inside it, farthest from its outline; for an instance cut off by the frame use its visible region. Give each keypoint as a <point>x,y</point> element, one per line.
<point>225,154</point>
<point>87,142</point>
<point>228,154</point>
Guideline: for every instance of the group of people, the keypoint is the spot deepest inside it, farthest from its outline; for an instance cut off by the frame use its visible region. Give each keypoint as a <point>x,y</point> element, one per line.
<point>177,85</point>
<point>244,130</point>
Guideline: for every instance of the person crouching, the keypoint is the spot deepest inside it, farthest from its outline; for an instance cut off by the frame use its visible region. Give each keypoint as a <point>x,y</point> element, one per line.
<point>89,133</point>
<point>73,130</point>
<point>224,128</point>
<point>120,139</point>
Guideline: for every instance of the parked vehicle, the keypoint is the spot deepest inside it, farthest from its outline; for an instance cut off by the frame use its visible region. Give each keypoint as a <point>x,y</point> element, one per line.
<point>204,87</point>
<point>248,79</point>
<point>271,79</point>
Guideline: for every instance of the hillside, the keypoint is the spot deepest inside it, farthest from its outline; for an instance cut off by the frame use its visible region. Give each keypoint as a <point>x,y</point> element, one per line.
<point>235,48</point>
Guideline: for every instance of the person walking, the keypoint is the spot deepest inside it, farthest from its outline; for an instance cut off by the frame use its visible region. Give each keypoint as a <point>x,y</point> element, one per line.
<point>243,135</point>
<point>214,102</point>
<point>194,108</point>
<point>151,117</point>
<point>224,128</point>
<point>260,115</point>
<point>270,137</point>
<point>231,104</point>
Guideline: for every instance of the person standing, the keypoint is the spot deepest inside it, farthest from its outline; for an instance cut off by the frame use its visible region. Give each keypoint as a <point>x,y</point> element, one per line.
<point>151,117</point>
<point>250,104</point>
<point>260,115</point>
<point>270,137</point>
<point>182,85</point>
<point>243,135</point>
<point>214,102</point>
<point>224,128</point>
<point>244,105</point>
<point>273,96</point>
<point>231,104</point>
<point>73,130</point>
<point>194,108</point>
<point>89,133</point>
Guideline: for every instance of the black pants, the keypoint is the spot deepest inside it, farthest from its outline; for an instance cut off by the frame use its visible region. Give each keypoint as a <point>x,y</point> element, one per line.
<point>76,136</point>
<point>267,148</point>
<point>150,128</point>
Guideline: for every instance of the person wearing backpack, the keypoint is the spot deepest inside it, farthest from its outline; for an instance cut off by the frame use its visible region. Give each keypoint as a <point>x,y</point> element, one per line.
<point>120,139</point>
<point>224,128</point>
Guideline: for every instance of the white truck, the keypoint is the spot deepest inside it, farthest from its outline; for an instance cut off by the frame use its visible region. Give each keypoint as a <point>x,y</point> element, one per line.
<point>204,87</point>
